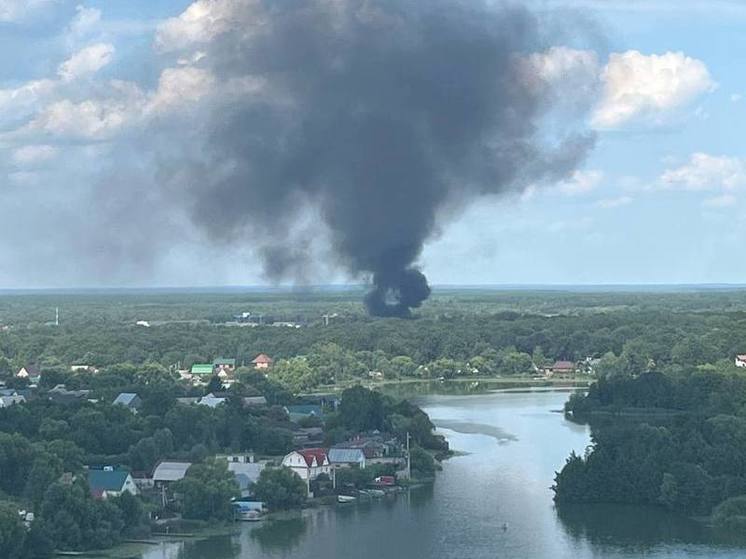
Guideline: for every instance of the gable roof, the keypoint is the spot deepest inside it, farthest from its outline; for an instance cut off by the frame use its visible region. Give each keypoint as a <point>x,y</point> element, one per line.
<point>310,453</point>
<point>129,399</point>
<point>346,455</point>
<point>31,370</point>
<point>202,369</point>
<point>170,471</point>
<point>106,480</point>
<point>262,358</point>
<point>224,361</point>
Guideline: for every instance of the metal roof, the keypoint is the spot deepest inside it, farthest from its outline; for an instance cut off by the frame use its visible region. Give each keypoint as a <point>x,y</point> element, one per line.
<point>202,369</point>
<point>170,471</point>
<point>107,480</point>
<point>125,399</point>
<point>346,455</point>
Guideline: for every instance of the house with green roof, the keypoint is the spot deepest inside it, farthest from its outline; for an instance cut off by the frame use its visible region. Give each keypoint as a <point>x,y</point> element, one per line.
<point>202,369</point>
<point>109,481</point>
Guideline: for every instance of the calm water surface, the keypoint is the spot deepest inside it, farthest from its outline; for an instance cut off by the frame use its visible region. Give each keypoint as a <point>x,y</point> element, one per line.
<point>515,443</point>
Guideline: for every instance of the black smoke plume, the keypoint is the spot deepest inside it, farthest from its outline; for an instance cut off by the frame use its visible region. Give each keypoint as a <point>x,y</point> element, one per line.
<point>385,116</point>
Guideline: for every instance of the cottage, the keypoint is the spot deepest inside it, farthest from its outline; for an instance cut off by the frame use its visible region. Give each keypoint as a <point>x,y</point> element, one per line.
<point>202,370</point>
<point>741,360</point>
<point>245,470</point>
<point>211,401</point>
<point>12,400</point>
<point>129,400</point>
<point>308,463</point>
<point>224,367</point>
<point>61,395</point>
<point>167,472</point>
<point>262,361</point>
<point>110,482</point>
<point>29,372</point>
<point>340,457</point>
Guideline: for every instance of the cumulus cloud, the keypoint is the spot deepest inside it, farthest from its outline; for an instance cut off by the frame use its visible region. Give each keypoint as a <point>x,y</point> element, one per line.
<point>18,10</point>
<point>707,172</point>
<point>581,182</point>
<point>638,85</point>
<point>204,20</point>
<point>86,61</point>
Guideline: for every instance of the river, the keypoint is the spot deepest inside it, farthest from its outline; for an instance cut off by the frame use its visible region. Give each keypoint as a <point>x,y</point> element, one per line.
<point>493,501</point>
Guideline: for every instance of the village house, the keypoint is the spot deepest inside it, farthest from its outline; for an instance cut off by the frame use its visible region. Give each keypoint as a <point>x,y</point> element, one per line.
<point>245,469</point>
<point>308,464</point>
<point>11,400</point>
<point>129,400</point>
<point>741,360</point>
<point>30,372</point>
<point>202,370</point>
<point>110,482</point>
<point>61,395</point>
<point>167,472</point>
<point>223,367</point>
<point>211,401</point>
<point>262,361</point>
<point>340,457</point>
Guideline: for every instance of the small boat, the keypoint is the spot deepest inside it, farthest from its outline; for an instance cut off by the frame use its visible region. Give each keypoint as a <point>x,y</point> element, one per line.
<point>345,498</point>
<point>250,516</point>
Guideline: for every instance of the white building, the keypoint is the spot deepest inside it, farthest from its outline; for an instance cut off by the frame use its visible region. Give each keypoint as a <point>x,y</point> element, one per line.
<point>741,360</point>
<point>309,463</point>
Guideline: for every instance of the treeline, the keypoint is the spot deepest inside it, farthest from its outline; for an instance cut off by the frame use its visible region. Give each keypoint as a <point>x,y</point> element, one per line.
<point>445,345</point>
<point>677,441</point>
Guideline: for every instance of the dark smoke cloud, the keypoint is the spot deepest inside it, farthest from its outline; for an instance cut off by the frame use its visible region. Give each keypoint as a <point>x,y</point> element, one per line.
<point>385,115</point>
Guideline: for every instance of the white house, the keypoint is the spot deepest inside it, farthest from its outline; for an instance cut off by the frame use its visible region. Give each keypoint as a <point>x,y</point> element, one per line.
<point>741,360</point>
<point>308,463</point>
<point>110,482</point>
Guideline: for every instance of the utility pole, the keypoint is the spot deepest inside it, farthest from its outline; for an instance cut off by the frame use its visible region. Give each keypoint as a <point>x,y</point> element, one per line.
<point>409,462</point>
<point>56,316</point>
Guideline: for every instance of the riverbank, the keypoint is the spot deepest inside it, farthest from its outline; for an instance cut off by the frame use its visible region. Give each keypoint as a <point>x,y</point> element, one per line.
<point>468,384</point>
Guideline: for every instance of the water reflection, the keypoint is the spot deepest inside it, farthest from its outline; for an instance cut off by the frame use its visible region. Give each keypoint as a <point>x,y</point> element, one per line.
<point>279,535</point>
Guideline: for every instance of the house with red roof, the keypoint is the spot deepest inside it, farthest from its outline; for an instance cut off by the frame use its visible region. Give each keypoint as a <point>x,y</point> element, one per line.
<point>308,463</point>
<point>262,361</point>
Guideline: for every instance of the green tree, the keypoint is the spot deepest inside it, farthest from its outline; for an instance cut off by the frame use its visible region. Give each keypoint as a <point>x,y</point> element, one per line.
<point>12,531</point>
<point>207,491</point>
<point>280,488</point>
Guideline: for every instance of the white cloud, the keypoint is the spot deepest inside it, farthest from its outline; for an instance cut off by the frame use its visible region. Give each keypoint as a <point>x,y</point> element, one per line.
<point>707,172</point>
<point>85,21</point>
<point>722,201</point>
<point>608,203</point>
<point>86,61</point>
<point>204,20</point>
<point>33,154</point>
<point>736,98</point>
<point>637,85</point>
<point>18,10</point>
<point>177,86</point>
<point>581,182</point>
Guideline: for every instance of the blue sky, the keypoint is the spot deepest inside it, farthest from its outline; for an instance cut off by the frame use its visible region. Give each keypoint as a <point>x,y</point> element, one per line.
<point>659,199</point>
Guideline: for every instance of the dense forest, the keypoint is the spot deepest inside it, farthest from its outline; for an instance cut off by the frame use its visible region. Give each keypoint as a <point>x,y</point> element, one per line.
<point>473,332</point>
<point>673,440</point>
